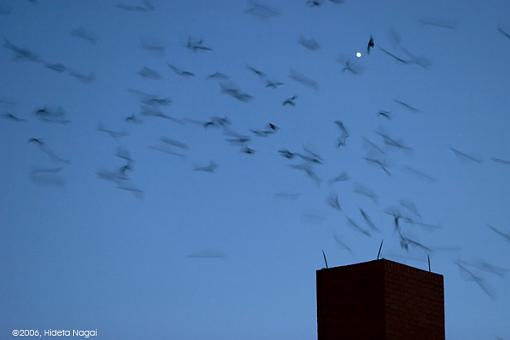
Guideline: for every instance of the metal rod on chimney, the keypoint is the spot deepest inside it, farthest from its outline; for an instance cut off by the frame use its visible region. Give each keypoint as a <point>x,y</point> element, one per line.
<point>325,260</point>
<point>380,247</point>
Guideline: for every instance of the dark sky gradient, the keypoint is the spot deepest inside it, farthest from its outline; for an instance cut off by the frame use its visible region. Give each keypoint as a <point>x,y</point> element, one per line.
<point>221,255</point>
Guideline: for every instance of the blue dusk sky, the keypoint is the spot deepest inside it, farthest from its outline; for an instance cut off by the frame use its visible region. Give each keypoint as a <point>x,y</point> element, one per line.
<point>174,169</point>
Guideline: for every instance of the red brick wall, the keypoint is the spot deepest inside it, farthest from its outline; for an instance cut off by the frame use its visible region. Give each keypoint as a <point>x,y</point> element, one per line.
<point>414,303</point>
<point>379,300</point>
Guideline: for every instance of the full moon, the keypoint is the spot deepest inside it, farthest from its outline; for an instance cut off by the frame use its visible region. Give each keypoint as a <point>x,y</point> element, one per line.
<point>358,54</point>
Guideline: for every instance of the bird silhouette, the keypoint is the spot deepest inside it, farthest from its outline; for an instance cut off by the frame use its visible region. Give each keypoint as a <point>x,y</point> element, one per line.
<point>370,45</point>
<point>181,72</point>
<point>290,101</point>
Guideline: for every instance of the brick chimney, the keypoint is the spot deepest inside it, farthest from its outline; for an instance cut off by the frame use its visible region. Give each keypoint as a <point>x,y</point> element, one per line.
<point>379,300</point>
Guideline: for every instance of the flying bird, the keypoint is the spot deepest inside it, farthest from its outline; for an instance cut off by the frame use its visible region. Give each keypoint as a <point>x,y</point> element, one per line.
<point>47,176</point>
<point>310,156</point>
<point>235,92</point>
<point>21,53</point>
<point>309,44</point>
<point>368,220</point>
<point>256,71</point>
<point>342,177</point>
<point>364,191</point>
<point>146,6</point>
<point>44,148</point>
<point>501,161</point>
<point>167,149</point>
<point>261,11</point>
<point>12,117</point>
<point>390,141</point>
<point>273,84</point>
<point>175,143</point>
<point>395,57</point>
<point>303,80</point>
<point>51,115</point>
<point>341,243</point>
<point>153,47</point>
<point>438,23</point>
<point>370,44</point>
<point>217,75</point>
<point>181,72</point>
<point>344,134</point>
<point>83,34</point>
<point>286,153</point>
<point>111,133</point>
<point>197,45</point>
<point>57,67</point>
<point>410,206</point>
<point>334,202</point>
<point>36,141</point>
<point>506,236</point>
<point>469,275</point>
<point>290,101</point>
<point>151,99</point>
<point>151,111</point>
<point>308,170</point>
<point>149,73</point>
<point>86,78</point>
<point>373,146</point>
<point>211,167</point>
<point>356,226</point>
<point>133,119</point>
<point>38,171</point>
<point>465,156</point>
<point>349,66</point>
<point>420,174</point>
<point>486,267</point>
<point>406,105</point>
<point>268,130</point>
<point>503,32</point>
<point>314,3</point>
<point>247,150</point>
<point>405,242</point>
<point>385,114</point>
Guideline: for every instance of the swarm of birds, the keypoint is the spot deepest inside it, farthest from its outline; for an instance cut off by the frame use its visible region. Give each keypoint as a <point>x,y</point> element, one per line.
<point>385,151</point>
